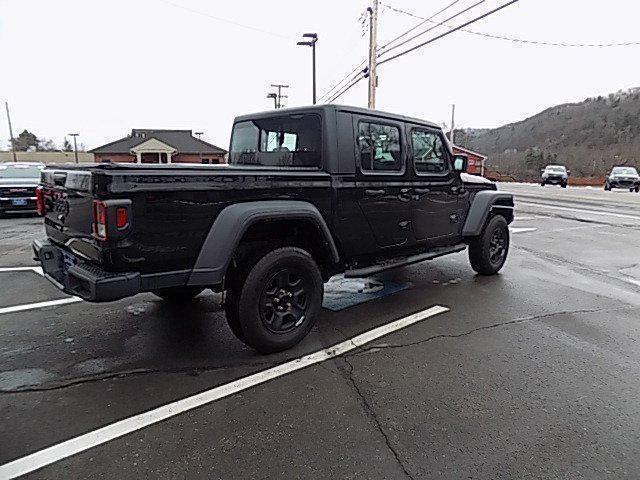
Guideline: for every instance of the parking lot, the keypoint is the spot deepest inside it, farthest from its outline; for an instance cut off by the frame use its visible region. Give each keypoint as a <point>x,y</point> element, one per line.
<point>529,374</point>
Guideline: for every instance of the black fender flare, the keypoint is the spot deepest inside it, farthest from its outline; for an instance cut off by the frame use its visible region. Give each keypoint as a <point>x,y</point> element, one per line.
<point>483,203</point>
<point>231,224</point>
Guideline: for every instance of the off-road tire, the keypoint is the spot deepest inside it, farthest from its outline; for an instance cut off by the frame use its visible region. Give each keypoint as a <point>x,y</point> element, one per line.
<point>607,187</point>
<point>563,185</point>
<point>481,247</point>
<point>178,294</point>
<point>249,300</point>
<point>637,189</point>
<point>542,184</point>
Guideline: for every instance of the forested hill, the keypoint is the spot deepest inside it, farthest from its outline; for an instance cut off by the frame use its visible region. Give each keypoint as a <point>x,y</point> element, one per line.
<point>589,137</point>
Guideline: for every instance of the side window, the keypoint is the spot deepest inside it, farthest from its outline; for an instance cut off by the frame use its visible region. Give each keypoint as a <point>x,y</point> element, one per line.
<point>379,147</point>
<point>429,155</point>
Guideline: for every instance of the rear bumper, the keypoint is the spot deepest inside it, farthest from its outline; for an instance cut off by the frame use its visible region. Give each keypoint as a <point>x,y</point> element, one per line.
<point>554,180</point>
<point>9,204</point>
<point>77,277</point>
<point>624,183</point>
<point>86,280</point>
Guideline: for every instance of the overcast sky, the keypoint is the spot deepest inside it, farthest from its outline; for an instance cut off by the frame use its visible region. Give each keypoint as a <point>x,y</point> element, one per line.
<point>100,68</point>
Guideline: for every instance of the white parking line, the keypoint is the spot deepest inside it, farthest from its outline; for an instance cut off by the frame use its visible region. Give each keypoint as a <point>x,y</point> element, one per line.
<point>522,229</point>
<point>33,306</point>
<point>580,210</point>
<point>37,270</point>
<point>123,427</point>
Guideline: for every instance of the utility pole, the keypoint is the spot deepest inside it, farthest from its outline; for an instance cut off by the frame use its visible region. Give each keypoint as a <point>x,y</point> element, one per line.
<point>75,145</point>
<point>13,142</point>
<point>279,95</point>
<point>197,134</point>
<point>373,47</point>
<point>311,43</point>
<point>453,122</point>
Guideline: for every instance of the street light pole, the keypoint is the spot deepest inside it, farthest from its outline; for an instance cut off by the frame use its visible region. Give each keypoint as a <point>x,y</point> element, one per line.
<point>275,99</point>
<point>75,145</point>
<point>311,43</point>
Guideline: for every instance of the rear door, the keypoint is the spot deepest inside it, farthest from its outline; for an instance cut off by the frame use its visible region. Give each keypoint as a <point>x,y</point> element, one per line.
<point>437,189</point>
<point>382,179</point>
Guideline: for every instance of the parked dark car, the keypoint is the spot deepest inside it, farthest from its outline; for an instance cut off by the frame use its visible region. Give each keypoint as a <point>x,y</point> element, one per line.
<point>309,193</point>
<point>18,182</point>
<point>623,177</point>
<point>555,175</point>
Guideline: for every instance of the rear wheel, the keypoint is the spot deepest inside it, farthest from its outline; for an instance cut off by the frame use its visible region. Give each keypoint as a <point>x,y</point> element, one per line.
<point>638,189</point>
<point>178,294</point>
<point>488,252</point>
<point>276,305</point>
<point>542,184</point>
<point>607,187</point>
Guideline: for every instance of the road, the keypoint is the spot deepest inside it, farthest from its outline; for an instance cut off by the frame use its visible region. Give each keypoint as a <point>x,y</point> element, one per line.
<point>529,374</point>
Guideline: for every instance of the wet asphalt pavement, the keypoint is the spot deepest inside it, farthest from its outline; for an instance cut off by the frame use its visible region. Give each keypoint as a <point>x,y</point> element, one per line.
<point>531,374</point>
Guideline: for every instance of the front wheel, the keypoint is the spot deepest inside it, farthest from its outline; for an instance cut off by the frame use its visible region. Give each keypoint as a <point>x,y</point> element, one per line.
<point>638,189</point>
<point>278,301</point>
<point>563,185</point>
<point>542,184</point>
<point>607,187</point>
<point>488,252</point>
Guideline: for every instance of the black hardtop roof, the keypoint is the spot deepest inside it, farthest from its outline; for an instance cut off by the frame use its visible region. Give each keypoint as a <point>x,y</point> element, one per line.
<point>338,108</point>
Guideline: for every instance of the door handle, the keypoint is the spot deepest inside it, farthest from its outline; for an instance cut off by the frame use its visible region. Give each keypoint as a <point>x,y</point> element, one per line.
<point>421,191</point>
<point>375,193</point>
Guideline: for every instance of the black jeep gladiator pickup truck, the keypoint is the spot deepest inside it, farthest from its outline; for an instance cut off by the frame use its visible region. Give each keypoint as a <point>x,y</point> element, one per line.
<point>308,193</point>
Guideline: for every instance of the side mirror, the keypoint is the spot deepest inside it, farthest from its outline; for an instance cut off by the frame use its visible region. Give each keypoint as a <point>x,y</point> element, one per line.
<point>541,171</point>
<point>460,163</point>
<point>568,172</point>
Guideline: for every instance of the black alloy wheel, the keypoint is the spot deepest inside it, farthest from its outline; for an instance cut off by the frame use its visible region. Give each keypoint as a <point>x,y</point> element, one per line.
<point>497,246</point>
<point>284,300</point>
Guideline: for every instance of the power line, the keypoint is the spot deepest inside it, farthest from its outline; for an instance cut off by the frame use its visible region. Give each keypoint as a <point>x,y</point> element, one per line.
<point>345,89</point>
<point>424,20</point>
<point>452,30</point>
<point>336,85</point>
<point>519,40</point>
<point>224,20</point>
<point>438,24</point>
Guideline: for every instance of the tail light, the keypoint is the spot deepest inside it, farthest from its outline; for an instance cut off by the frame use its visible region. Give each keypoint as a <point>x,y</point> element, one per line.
<point>100,219</point>
<point>111,218</point>
<point>40,205</point>
<point>122,218</point>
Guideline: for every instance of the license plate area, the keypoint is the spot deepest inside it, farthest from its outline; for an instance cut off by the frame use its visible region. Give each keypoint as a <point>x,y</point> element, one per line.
<point>19,202</point>
<point>67,261</point>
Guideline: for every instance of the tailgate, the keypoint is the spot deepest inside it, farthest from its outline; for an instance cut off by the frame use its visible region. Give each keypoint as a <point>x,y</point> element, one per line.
<point>68,198</point>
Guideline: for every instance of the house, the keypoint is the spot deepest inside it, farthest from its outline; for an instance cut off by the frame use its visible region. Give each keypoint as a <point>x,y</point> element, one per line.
<point>159,146</point>
<point>476,160</point>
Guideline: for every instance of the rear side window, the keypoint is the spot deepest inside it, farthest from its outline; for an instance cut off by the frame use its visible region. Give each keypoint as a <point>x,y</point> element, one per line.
<point>284,141</point>
<point>428,152</point>
<point>379,147</point>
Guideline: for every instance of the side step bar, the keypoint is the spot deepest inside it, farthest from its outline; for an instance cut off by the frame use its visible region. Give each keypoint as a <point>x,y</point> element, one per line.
<point>401,262</point>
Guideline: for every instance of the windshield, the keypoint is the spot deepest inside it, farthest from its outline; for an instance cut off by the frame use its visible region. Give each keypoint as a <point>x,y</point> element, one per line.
<point>283,141</point>
<point>624,171</point>
<point>556,168</point>
<point>20,171</point>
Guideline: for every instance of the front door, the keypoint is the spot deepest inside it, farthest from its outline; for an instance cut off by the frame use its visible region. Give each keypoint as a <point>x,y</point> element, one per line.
<point>381,180</point>
<point>437,188</point>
